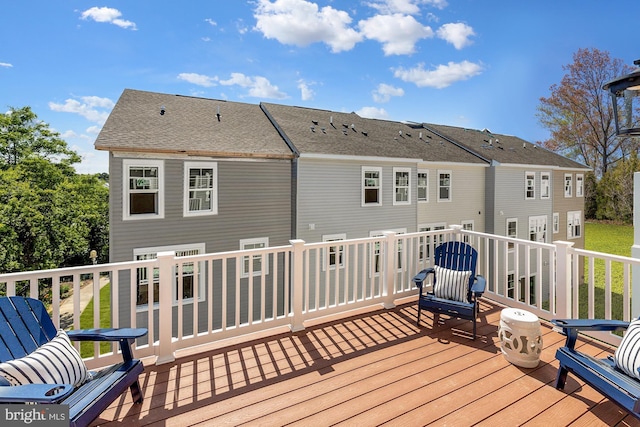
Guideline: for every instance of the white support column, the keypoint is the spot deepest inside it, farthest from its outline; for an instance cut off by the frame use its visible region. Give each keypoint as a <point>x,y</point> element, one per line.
<point>390,254</point>
<point>635,249</point>
<point>563,283</point>
<point>297,285</point>
<point>164,350</point>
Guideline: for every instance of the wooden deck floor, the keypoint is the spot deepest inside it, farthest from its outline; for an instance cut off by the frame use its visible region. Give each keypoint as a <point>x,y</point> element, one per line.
<point>376,368</point>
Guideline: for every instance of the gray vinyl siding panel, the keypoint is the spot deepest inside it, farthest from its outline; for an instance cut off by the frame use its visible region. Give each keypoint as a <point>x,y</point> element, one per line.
<point>563,204</point>
<point>254,200</point>
<point>330,198</point>
<point>510,202</point>
<point>467,197</point>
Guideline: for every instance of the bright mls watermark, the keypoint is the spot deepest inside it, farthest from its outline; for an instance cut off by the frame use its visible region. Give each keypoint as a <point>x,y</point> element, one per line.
<point>34,415</point>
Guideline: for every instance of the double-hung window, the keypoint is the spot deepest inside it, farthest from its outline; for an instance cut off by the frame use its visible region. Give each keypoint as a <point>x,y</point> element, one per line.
<point>538,228</point>
<point>254,265</point>
<point>444,186</point>
<point>334,255</point>
<point>143,192</point>
<point>530,186</point>
<point>201,189</point>
<point>579,185</point>
<point>545,185</point>
<point>423,186</point>
<point>402,186</point>
<point>512,230</point>
<point>148,280</point>
<point>568,185</point>
<point>574,224</point>
<point>371,186</point>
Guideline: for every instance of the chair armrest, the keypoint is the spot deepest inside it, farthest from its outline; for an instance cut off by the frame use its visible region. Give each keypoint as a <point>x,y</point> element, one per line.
<point>126,337</point>
<point>422,276</point>
<point>39,393</point>
<point>590,324</point>
<point>572,327</point>
<point>479,285</point>
<point>107,334</point>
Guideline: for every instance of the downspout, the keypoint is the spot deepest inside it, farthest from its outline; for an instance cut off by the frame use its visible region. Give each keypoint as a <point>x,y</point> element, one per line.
<point>294,171</point>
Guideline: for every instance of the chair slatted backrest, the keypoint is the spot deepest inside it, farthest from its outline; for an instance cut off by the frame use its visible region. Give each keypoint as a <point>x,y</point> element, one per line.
<point>24,326</point>
<point>458,256</point>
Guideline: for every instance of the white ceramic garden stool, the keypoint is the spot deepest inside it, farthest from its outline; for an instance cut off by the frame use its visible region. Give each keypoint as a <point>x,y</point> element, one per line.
<point>520,337</point>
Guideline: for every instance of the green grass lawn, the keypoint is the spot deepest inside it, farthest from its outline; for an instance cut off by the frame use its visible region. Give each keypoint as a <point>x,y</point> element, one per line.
<point>611,239</point>
<point>86,321</point>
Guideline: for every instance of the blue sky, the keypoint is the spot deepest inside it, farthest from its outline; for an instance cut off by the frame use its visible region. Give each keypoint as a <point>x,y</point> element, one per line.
<point>470,63</point>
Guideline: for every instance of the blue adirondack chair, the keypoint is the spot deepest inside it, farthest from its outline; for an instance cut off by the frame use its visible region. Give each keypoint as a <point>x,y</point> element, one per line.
<point>459,296</point>
<point>25,326</point>
<point>601,374</point>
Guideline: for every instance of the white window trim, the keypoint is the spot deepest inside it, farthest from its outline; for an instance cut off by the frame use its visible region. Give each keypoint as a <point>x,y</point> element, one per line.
<point>510,245</point>
<point>200,247</point>
<point>126,165</point>
<point>580,187</point>
<point>395,186</point>
<point>556,223</point>
<point>362,174</point>
<point>340,251</point>
<point>571,217</point>
<point>264,262</point>
<point>465,226</point>
<point>549,187</point>
<point>440,172</point>
<point>425,172</point>
<point>377,233</point>
<point>526,185</point>
<point>431,245</point>
<point>535,220</point>
<point>568,193</point>
<point>214,189</point>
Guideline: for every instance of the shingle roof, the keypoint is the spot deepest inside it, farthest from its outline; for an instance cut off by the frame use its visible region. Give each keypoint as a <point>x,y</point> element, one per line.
<point>314,131</point>
<point>189,125</point>
<point>504,148</point>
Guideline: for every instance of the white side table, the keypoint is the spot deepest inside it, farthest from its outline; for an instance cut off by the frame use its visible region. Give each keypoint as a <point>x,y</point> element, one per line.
<point>520,337</point>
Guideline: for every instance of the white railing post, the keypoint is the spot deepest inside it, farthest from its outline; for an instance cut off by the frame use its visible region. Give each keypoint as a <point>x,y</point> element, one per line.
<point>390,255</point>
<point>563,283</point>
<point>456,232</point>
<point>297,284</point>
<point>164,349</point>
<point>635,249</point>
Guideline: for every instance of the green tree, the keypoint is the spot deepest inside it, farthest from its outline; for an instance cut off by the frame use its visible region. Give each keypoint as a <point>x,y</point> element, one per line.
<point>579,113</point>
<point>615,192</point>
<point>22,136</point>
<point>50,216</point>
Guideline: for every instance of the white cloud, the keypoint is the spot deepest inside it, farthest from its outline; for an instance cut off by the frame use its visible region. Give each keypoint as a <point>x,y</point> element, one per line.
<point>384,92</point>
<point>6,64</point>
<point>441,77</point>
<point>259,87</point>
<point>372,113</point>
<point>211,22</point>
<point>301,23</point>
<point>410,7</point>
<point>457,34</point>
<point>93,130</point>
<point>306,93</point>
<point>109,15</point>
<point>89,108</point>
<point>198,79</point>
<point>398,33</point>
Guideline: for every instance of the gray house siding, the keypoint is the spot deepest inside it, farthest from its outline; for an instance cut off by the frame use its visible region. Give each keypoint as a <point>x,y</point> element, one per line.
<point>254,201</point>
<point>330,200</point>
<point>467,196</point>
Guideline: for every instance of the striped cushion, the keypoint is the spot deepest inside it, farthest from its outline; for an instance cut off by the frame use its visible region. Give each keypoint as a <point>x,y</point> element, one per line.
<point>56,362</point>
<point>451,284</point>
<point>627,355</point>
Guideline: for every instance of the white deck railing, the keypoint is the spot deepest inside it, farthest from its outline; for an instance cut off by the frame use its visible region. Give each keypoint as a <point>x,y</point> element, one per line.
<point>244,292</point>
